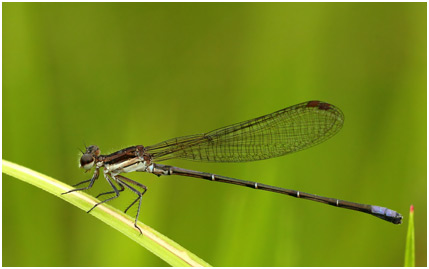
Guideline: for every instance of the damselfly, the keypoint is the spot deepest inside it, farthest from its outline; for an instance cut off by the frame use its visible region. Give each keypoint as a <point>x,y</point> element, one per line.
<point>282,132</point>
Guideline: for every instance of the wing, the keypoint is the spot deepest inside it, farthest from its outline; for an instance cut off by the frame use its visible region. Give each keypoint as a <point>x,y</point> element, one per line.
<point>285,131</point>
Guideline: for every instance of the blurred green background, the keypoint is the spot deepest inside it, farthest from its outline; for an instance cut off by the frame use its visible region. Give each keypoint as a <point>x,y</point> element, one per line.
<point>122,74</point>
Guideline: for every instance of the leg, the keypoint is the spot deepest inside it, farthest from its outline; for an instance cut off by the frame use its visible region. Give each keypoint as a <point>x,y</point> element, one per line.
<point>110,192</point>
<point>91,182</point>
<point>75,185</point>
<point>111,198</point>
<point>137,184</point>
<point>121,179</point>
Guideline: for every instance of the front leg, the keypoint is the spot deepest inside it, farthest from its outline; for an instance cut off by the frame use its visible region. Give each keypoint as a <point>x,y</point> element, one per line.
<point>91,182</point>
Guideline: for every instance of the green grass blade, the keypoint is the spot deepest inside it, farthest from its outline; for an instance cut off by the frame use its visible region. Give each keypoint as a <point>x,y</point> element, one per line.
<point>160,245</point>
<point>410,260</point>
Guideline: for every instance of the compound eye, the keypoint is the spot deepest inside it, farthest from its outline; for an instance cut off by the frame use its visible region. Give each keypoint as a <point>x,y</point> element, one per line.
<point>86,161</point>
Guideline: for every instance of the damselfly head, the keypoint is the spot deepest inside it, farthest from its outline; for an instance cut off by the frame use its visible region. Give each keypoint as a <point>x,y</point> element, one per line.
<point>88,158</point>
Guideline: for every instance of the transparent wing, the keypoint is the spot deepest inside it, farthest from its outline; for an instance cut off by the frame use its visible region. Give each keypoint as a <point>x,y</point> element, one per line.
<point>285,131</point>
